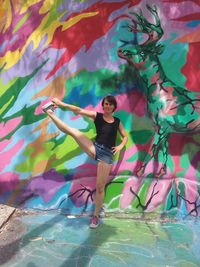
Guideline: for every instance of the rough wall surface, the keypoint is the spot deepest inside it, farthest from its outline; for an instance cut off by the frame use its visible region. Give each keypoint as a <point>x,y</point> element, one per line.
<point>69,49</point>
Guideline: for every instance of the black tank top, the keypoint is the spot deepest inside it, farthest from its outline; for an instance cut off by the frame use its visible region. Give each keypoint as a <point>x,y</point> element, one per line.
<point>106,131</point>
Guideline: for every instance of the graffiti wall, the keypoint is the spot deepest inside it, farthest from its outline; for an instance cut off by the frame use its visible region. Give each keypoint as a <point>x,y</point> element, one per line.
<point>80,51</point>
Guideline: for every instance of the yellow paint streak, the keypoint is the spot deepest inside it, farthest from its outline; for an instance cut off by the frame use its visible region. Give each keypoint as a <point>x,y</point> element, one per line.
<point>11,58</point>
<point>47,5</point>
<point>4,87</point>
<point>6,105</point>
<point>5,15</point>
<point>28,4</point>
<point>76,19</point>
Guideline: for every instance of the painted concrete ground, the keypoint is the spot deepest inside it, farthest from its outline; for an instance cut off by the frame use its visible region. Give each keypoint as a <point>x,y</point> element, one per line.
<point>57,240</point>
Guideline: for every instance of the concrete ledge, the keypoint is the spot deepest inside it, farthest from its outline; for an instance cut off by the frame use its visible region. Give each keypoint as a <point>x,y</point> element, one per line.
<point>5,213</point>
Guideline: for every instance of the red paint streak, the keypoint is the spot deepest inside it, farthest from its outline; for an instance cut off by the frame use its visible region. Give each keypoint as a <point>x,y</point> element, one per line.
<point>177,142</point>
<point>190,17</point>
<point>191,69</point>
<point>86,31</point>
<point>176,146</point>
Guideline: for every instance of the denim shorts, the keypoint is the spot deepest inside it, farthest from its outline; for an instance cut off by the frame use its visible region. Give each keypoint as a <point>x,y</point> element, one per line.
<point>103,153</point>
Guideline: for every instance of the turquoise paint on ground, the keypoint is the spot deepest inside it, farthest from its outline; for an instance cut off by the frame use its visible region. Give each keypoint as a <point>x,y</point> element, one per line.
<point>57,240</point>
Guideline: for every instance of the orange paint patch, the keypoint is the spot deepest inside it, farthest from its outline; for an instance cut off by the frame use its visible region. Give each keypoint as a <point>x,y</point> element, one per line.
<point>43,166</point>
<point>193,37</point>
<point>37,145</point>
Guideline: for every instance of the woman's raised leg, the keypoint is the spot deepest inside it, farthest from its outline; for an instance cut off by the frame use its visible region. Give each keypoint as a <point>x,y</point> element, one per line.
<point>84,142</point>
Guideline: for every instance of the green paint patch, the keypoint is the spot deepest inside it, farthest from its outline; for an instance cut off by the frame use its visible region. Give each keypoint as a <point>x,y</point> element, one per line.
<point>53,13</point>
<point>32,162</point>
<point>143,123</point>
<point>171,201</point>
<point>181,187</point>
<point>100,81</point>
<point>170,163</point>
<point>5,87</point>
<point>126,119</point>
<point>28,118</point>
<point>197,138</point>
<point>141,137</point>
<point>198,174</point>
<point>140,197</point>
<point>138,231</point>
<point>184,162</point>
<point>13,91</point>
<point>142,156</point>
<point>173,59</point>
<point>6,105</point>
<point>113,192</point>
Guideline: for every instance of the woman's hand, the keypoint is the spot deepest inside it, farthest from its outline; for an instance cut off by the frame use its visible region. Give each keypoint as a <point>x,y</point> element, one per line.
<point>117,149</point>
<point>57,102</point>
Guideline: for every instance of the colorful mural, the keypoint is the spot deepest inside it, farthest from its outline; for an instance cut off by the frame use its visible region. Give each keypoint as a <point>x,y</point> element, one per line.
<point>70,50</point>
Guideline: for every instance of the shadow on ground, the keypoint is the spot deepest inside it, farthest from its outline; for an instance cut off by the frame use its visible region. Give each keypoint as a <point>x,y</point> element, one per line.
<point>54,239</point>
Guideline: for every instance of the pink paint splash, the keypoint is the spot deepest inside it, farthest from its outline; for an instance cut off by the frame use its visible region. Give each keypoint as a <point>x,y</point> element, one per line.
<point>9,126</point>
<point>127,197</point>
<point>4,144</point>
<point>6,157</point>
<point>157,193</point>
<point>82,190</point>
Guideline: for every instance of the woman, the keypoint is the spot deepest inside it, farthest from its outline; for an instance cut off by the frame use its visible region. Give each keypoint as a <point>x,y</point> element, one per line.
<point>104,146</point>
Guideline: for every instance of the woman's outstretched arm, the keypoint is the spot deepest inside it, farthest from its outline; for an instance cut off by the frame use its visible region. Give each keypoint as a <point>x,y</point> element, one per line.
<point>89,113</point>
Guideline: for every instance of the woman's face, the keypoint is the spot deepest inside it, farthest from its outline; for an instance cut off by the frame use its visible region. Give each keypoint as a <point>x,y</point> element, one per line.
<point>108,107</point>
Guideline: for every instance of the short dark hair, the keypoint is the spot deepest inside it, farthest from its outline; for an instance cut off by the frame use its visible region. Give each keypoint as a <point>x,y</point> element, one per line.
<point>111,99</point>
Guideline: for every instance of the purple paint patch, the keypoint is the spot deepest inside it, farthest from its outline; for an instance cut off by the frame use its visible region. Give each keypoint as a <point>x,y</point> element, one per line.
<point>8,181</point>
<point>45,185</point>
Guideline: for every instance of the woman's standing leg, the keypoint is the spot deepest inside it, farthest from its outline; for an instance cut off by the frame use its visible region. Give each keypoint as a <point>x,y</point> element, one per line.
<point>103,171</point>
<point>84,142</point>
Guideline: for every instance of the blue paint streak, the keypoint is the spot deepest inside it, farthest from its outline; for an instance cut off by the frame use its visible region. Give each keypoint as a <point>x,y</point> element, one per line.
<point>193,24</point>
<point>2,47</point>
<point>82,100</point>
<point>76,161</point>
